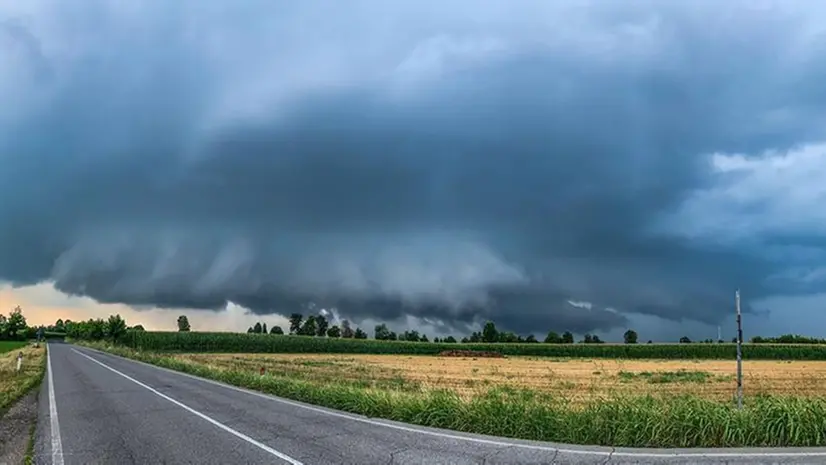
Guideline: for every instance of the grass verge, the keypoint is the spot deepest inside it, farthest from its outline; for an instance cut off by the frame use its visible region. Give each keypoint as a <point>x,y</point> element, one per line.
<point>14,385</point>
<point>8,346</point>
<point>641,421</point>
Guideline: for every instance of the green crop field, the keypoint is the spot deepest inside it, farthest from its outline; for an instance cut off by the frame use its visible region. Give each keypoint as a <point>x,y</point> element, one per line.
<point>7,346</point>
<point>270,343</point>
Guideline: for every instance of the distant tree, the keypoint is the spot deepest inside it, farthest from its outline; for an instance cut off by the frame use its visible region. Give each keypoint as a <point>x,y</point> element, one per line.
<point>137,328</point>
<point>436,340</point>
<point>489,332</point>
<point>650,341</point>
<point>552,338</point>
<point>587,339</point>
<point>59,325</point>
<point>630,337</point>
<point>264,328</point>
<point>334,331</point>
<point>596,340</point>
<point>250,330</point>
<point>115,327</point>
<point>531,338</point>
<point>16,323</point>
<point>393,336</point>
<point>685,340</point>
<point>183,323</point>
<point>346,330</point>
<point>734,340</point>
<point>412,336</point>
<point>276,330</point>
<point>465,340</point>
<point>295,323</point>
<point>257,329</point>
<point>567,338</point>
<point>3,326</point>
<point>359,334</point>
<point>450,340</point>
<point>475,337</point>
<point>506,336</point>
<point>423,338</point>
<point>309,328</point>
<point>381,332</point>
<point>321,324</point>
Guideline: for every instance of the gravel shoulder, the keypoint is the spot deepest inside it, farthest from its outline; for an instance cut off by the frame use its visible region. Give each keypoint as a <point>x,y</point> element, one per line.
<point>15,428</point>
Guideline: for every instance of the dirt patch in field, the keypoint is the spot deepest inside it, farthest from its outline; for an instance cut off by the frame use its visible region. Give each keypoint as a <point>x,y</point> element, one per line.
<point>470,353</point>
<point>574,379</point>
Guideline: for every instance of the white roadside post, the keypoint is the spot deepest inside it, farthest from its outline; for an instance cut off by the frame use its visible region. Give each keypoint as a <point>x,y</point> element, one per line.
<point>739,351</point>
<point>19,361</point>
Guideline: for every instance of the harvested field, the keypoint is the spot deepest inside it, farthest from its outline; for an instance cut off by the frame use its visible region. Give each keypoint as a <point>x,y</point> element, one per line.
<point>574,379</point>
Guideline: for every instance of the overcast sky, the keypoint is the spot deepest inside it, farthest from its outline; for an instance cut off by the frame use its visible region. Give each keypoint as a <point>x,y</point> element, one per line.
<point>583,166</point>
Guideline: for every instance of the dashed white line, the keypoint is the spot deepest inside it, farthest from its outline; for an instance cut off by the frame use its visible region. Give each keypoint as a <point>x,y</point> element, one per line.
<point>709,453</point>
<point>220,425</point>
<point>57,444</point>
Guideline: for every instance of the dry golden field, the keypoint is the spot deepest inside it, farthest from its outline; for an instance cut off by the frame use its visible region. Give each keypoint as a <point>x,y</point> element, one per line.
<point>574,379</point>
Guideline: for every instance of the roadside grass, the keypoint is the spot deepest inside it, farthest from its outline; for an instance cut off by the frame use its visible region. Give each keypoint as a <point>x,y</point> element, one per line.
<point>631,421</point>
<point>14,385</point>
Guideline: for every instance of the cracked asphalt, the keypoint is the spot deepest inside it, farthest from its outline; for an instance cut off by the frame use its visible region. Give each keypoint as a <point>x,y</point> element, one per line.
<point>117,411</point>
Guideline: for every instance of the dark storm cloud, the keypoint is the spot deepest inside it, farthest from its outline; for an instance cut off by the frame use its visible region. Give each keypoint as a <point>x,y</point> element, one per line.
<point>500,182</point>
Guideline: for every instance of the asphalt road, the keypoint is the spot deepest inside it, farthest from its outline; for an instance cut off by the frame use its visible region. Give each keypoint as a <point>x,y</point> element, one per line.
<point>101,409</point>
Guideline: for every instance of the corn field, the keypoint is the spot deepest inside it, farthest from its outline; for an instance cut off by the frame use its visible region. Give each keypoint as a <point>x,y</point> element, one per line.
<point>270,343</point>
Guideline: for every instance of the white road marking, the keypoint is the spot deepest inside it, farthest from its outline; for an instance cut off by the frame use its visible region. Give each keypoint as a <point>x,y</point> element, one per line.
<point>821,452</point>
<point>224,427</point>
<point>57,444</point>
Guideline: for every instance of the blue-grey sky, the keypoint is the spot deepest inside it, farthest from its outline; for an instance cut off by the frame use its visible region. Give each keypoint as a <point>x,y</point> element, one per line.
<point>585,166</point>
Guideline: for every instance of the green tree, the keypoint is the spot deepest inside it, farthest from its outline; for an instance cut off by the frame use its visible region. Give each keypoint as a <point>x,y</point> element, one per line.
<point>381,332</point>
<point>256,328</point>
<point>321,324</point>
<point>183,323</point>
<point>567,338</point>
<point>309,328</point>
<point>60,326</point>
<point>359,334</point>
<point>489,332</point>
<point>412,336</point>
<point>630,337</point>
<point>137,328</point>
<point>16,324</point>
<point>685,340</point>
<point>424,338</point>
<point>115,327</point>
<point>276,330</point>
<point>553,338</point>
<point>295,323</point>
<point>334,331</point>
<point>264,328</point>
<point>449,339</point>
<point>531,338</point>
<point>346,330</point>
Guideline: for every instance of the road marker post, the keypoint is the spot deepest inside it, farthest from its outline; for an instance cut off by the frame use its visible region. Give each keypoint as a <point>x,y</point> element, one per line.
<point>19,361</point>
<point>739,351</point>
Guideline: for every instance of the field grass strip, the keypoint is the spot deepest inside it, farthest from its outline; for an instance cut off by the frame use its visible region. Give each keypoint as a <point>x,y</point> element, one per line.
<point>204,342</point>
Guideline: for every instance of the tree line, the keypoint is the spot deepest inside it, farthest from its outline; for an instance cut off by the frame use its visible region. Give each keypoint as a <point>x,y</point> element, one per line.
<point>15,327</point>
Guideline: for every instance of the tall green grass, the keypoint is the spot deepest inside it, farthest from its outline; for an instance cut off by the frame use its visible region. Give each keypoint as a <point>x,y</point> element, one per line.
<point>686,421</point>
<point>270,343</point>
<point>7,346</point>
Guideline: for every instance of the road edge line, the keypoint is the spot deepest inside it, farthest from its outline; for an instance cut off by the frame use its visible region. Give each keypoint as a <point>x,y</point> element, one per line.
<point>57,443</point>
<point>203,416</point>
